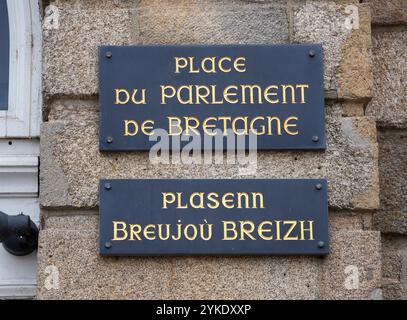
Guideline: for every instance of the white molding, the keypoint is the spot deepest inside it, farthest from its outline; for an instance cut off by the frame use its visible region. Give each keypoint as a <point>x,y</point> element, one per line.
<point>19,170</point>
<point>21,291</point>
<point>22,119</point>
<point>18,176</point>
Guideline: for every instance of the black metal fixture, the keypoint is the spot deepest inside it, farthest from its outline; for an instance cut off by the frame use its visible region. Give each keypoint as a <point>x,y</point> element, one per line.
<point>18,233</point>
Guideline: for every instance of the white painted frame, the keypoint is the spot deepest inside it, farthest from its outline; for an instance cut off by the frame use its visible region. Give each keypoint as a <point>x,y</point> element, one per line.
<point>19,160</point>
<point>23,117</point>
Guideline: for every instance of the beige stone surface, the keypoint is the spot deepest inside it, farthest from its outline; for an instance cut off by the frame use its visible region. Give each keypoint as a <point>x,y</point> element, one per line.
<point>70,245</point>
<point>353,269</point>
<point>394,266</point>
<point>388,12</point>
<point>392,216</point>
<point>391,259</point>
<point>71,163</point>
<point>70,49</point>
<point>347,60</point>
<point>348,220</point>
<point>353,109</point>
<point>212,22</point>
<point>70,44</point>
<point>392,289</point>
<point>354,73</point>
<point>389,103</point>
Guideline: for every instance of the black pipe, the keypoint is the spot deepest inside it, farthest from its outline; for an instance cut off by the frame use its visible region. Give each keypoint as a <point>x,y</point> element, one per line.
<point>18,234</point>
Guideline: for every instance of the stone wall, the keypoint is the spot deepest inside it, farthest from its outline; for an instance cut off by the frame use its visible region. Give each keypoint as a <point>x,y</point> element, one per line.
<point>389,107</point>
<point>71,163</point>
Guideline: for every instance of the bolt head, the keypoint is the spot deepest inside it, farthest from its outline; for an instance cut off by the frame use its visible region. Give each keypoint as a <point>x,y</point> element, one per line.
<point>315,138</point>
<point>108,186</point>
<point>108,54</point>
<point>108,244</point>
<point>312,53</point>
<point>321,244</point>
<point>109,139</point>
<point>318,186</point>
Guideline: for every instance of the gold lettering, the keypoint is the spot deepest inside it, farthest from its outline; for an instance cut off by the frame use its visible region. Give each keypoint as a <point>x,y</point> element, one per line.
<point>278,230</point>
<point>213,197</point>
<point>166,201</point>
<point>118,93</point>
<point>164,95</point>
<point>302,88</point>
<point>262,230</point>
<point>293,224</point>
<point>145,127</point>
<point>248,231</point>
<point>267,93</point>
<point>116,229</point>
<point>207,126</point>
<point>287,125</point>
<point>170,126</point>
<point>229,226</point>
<point>149,232</point>
<point>179,201</point>
<point>310,229</point>
<point>240,65</point>
<point>226,199</point>
<point>237,131</point>
<point>180,63</point>
<point>191,127</point>
<point>259,195</point>
<point>189,94</point>
<point>200,204</point>
<point>284,88</point>
<point>160,232</point>
<point>262,127</point>
<point>212,65</point>
<point>227,94</point>
<point>143,97</point>
<point>270,125</point>
<point>251,89</point>
<point>245,197</point>
<point>221,66</point>
<point>127,131</point>
<point>135,233</point>
<point>200,96</point>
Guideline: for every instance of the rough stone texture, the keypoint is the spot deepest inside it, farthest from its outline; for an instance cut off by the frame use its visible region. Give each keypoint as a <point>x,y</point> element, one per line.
<point>391,260</point>
<point>389,104</point>
<point>70,243</point>
<point>392,216</point>
<point>388,12</point>
<point>353,109</point>
<point>354,73</point>
<point>94,4</point>
<point>347,59</point>
<point>394,266</point>
<point>355,249</point>
<point>349,220</point>
<point>71,163</point>
<point>392,290</point>
<point>70,42</point>
<point>70,51</point>
<point>212,22</point>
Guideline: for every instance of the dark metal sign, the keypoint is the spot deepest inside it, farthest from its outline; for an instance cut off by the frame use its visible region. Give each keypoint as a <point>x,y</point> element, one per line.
<point>213,217</point>
<point>271,92</point>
